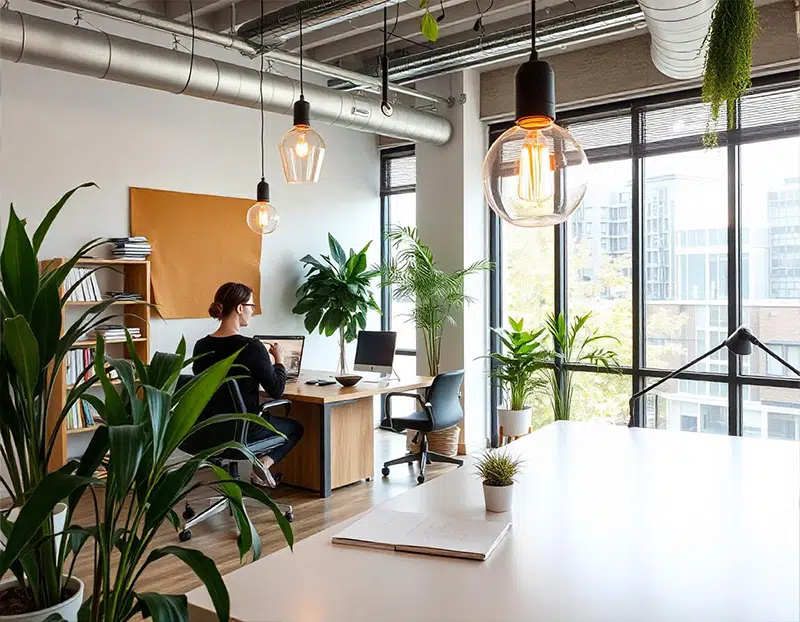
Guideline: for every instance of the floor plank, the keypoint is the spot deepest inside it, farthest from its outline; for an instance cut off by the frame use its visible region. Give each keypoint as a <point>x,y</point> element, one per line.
<point>216,537</point>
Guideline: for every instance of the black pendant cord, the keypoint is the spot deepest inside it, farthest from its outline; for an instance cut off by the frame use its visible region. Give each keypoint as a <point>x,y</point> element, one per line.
<point>300,5</point>
<point>534,53</point>
<point>261,92</point>
<point>191,54</point>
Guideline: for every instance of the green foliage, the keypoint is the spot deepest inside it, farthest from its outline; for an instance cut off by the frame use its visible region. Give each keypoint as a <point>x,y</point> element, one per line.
<point>516,368</point>
<point>414,276</point>
<point>498,468</point>
<point>573,344</point>
<point>32,350</point>
<point>141,426</point>
<point>428,25</point>
<point>336,294</point>
<point>729,48</point>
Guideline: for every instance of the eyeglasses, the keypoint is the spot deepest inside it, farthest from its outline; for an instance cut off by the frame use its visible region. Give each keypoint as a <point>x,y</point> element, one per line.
<point>249,304</point>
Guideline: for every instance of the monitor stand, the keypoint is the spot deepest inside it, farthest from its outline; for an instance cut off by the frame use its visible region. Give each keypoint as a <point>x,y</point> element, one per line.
<point>385,377</point>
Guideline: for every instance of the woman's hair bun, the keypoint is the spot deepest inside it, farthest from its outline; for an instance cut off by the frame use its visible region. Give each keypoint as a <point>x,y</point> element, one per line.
<point>215,310</point>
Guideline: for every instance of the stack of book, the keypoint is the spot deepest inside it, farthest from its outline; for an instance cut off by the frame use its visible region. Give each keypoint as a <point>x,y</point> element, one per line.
<point>116,332</point>
<point>81,415</point>
<point>123,296</point>
<point>86,288</point>
<point>80,366</point>
<point>131,248</point>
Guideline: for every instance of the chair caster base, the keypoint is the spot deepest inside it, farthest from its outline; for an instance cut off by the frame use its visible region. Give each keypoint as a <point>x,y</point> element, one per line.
<point>188,513</point>
<point>385,471</point>
<point>289,516</point>
<point>185,535</point>
<point>420,479</point>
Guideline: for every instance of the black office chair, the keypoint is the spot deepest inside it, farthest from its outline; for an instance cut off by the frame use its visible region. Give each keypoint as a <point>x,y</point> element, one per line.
<point>441,409</point>
<point>227,399</point>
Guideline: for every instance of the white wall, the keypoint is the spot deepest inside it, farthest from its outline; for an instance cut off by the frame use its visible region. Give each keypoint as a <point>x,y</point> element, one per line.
<point>58,130</point>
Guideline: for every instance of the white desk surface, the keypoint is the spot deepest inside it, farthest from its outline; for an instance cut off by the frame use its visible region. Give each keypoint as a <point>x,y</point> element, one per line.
<point>609,525</point>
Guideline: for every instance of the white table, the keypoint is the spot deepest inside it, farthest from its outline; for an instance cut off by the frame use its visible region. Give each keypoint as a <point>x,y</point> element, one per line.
<point>609,524</point>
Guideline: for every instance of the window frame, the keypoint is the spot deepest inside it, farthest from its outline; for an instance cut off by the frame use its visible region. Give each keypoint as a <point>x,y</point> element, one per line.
<point>637,150</point>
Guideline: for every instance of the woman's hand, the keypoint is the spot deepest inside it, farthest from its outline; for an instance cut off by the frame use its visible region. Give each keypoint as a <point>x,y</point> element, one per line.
<point>276,350</point>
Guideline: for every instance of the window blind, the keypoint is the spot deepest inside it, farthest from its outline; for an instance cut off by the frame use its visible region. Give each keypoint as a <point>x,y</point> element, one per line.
<point>398,173</point>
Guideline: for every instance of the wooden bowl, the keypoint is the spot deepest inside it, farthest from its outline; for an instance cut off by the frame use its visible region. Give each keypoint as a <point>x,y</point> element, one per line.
<point>348,381</point>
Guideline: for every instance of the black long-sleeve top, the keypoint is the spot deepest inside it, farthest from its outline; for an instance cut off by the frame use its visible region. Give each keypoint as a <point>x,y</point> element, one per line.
<point>253,356</point>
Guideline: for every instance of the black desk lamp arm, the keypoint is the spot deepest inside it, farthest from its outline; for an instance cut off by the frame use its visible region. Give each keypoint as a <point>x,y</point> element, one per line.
<point>754,340</point>
<point>669,376</point>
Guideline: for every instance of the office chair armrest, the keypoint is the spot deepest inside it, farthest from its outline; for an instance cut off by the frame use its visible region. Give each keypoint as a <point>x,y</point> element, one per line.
<point>426,406</point>
<point>265,407</point>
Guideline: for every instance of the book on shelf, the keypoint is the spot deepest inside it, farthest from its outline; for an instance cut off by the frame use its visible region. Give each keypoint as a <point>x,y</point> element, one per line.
<point>84,286</point>
<point>80,366</point>
<point>137,248</point>
<point>123,296</point>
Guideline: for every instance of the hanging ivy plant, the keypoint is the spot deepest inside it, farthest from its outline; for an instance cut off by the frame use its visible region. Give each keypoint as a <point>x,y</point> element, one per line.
<point>729,48</point>
<point>428,25</point>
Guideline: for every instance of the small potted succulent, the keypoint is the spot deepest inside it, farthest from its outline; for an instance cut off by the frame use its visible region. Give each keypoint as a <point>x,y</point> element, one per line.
<point>516,369</point>
<point>498,471</point>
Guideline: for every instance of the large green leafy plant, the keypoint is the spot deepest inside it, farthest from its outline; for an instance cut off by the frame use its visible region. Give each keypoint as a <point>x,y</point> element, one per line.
<point>574,343</point>
<point>729,50</point>
<point>516,368</point>
<point>336,295</point>
<point>141,427</point>
<point>414,277</point>
<point>32,350</point>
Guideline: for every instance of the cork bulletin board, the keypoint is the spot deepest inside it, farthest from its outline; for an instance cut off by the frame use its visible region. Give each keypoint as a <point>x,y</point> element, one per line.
<point>199,242</point>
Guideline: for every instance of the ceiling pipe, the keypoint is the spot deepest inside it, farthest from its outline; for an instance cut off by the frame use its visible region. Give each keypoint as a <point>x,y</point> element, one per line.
<point>46,43</point>
<point>283,24</point>
<point>610,19</point>
<point>678,29</point>
<point>233,42</point>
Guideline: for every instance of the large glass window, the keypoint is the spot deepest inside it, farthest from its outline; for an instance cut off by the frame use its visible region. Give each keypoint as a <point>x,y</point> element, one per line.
<point>651,254</point>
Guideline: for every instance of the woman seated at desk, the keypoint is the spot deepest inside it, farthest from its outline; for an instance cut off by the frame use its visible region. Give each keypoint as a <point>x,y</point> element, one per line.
<point>233,306</point>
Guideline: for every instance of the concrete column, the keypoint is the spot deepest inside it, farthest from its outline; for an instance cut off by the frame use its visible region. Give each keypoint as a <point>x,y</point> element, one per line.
<point>452,218</point>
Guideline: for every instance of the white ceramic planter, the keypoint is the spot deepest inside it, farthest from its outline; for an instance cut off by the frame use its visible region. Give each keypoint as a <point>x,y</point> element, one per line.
<point>514,422</point>
<point>498,498</point>
<point>67,610</point>
<point>59,518</point>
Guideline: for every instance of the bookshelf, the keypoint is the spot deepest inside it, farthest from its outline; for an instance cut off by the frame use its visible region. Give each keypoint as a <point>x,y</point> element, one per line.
<point>113,275</point>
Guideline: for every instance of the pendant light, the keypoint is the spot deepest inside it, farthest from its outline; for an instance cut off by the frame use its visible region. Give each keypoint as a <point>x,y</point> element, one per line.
<point>262,218</point>
<point>301,148</point>
<point>535,173</point>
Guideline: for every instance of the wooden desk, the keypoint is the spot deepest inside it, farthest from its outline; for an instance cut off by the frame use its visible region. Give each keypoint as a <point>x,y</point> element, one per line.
<point>608,524</point>
<point>338,444</point>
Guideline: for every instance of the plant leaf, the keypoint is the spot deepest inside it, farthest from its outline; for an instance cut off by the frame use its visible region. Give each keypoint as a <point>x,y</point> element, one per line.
<point>127,447</point>
<point>205,569</point>
<point>429,27</point>
<point>163,607</point>
<point>23,350</point>
<point>19,269</point>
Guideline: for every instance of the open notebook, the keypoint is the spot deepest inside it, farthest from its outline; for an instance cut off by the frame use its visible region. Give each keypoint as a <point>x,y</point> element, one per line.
<point>412,532</point>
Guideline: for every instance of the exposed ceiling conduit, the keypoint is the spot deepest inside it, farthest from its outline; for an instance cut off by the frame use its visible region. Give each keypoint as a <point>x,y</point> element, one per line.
<point>46,43</point>
<point>677,30</point>
<point>284,23</point>
<point>580,26</point>
<point>233,42</point>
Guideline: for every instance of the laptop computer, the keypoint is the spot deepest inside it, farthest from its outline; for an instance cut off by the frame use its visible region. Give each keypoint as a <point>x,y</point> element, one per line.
<point>292,351</point>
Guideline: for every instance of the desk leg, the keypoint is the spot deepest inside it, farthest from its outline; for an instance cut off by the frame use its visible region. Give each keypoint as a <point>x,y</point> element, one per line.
<point>325,451</point>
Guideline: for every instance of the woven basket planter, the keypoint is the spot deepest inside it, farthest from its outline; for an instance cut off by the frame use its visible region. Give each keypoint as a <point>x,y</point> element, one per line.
<point>444,442</point>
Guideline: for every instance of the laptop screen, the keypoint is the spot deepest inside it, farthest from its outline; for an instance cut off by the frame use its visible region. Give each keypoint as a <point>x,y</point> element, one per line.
<point>292,351</point>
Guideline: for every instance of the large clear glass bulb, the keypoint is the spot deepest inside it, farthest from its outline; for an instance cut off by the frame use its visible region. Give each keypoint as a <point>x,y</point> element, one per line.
<point>302,151</point>
<point>535,174</point>
<point>262,218</point>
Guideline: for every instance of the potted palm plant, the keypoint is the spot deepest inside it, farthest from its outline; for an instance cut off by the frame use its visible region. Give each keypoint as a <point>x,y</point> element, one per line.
<point>336,297</point>
<point>414,277</point>
<point>574,343</point>
<point>517,371</point>
<point>498,471</point>
<point>141,427</point>
<point>32,351</point>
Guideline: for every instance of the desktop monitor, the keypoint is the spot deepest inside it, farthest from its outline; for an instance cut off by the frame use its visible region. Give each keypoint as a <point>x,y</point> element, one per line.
<point>375,351</point>
<point>292,351</point>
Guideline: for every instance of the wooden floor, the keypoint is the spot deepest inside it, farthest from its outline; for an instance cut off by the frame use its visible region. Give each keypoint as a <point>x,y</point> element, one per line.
<point>216,537</point>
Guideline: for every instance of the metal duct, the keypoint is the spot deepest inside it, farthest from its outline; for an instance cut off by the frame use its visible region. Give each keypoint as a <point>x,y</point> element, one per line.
<point>159,22</point>
<point>284,23</point>
<point>576,27</point>
<point>36,41</point>
<point>678,29</point>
